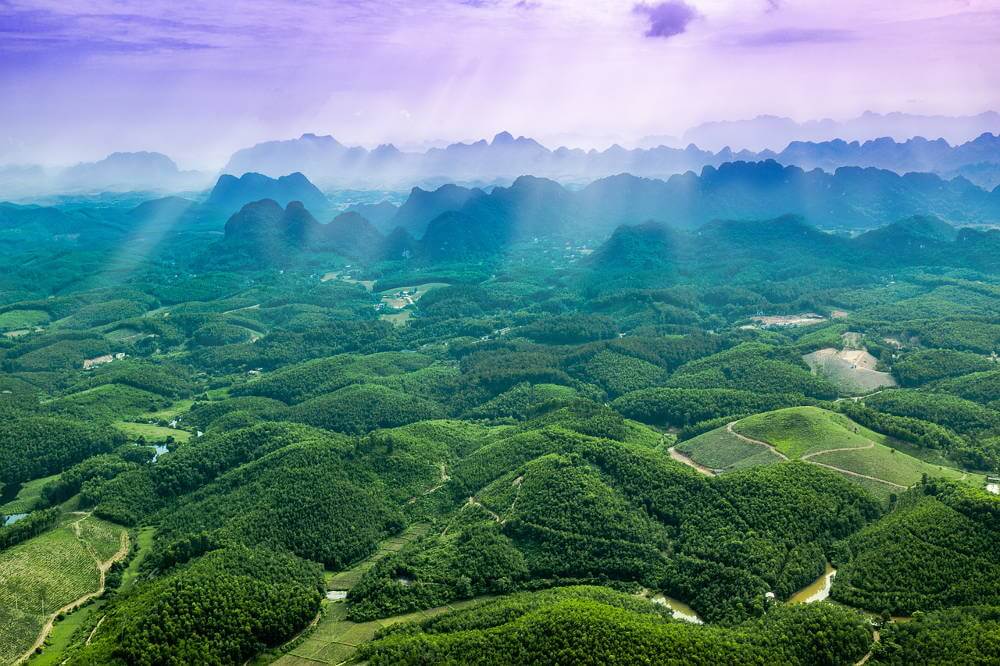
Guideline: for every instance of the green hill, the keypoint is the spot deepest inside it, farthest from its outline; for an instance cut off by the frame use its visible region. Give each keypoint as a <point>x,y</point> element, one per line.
<point>940,547</point>
<point>590,625</point>
<point>819,437</point>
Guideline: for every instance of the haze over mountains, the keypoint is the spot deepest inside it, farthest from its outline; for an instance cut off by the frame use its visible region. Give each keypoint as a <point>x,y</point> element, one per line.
<point>775,132</point>
<point>949,146</point>
<point>454,223</point>
<point>330,163</point>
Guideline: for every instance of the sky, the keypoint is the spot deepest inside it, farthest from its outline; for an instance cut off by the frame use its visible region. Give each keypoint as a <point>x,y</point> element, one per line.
<point>198,80</point>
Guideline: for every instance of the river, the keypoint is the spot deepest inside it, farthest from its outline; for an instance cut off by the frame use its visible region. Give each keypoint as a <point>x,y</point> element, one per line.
<point>680,610</point>
<point>818,590</point>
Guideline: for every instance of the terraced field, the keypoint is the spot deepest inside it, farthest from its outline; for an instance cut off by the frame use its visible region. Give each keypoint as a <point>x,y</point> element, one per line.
<point>721,449</point>
<point>820,437</point>
<point>49,573</point>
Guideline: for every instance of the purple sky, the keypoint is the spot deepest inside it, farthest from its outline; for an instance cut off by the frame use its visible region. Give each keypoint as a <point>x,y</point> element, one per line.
<point>81,78</point>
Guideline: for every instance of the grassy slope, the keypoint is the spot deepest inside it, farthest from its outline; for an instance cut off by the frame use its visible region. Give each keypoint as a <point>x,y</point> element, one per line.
<point>47,572</point>
<point>27,496</point>
<point>809,433</point>
<point>800,431</point>
<point>720,449</point>
<point>65,632</point>
<point>152,433</point>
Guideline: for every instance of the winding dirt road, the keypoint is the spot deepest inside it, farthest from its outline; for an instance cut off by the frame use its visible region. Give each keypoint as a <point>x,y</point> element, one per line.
<point>102,567</point>
<point>809,457</point>
<point>749,440</point>
<point>681,458</point>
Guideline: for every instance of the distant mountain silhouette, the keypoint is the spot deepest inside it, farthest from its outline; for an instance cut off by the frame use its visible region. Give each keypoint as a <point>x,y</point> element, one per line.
<point>773,132</point>
<point>850,198</point>
<point>230,194</point>
<point>503,159</point>
<point>123,172</point>
<point>965,146</point>
<point>422,206</point>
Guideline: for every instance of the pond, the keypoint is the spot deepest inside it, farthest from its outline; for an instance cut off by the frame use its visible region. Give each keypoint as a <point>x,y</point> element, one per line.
<point>818,590</point>
<point>13,518</point>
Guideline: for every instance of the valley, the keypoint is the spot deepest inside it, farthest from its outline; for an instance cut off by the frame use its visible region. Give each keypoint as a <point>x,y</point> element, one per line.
<point>706,419</point>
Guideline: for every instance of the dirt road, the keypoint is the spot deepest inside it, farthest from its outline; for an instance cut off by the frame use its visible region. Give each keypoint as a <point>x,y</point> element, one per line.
<point>102,567</point>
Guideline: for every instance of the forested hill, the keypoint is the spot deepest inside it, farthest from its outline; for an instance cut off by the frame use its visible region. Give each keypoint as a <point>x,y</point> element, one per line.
<point>852,198</point>
<point>654,252</point>
<point>264,232</point>
<point>455,223</point>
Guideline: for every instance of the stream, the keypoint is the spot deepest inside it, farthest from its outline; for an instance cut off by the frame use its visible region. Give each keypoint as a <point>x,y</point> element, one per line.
<point>680,610</point>
<point>818,590</point>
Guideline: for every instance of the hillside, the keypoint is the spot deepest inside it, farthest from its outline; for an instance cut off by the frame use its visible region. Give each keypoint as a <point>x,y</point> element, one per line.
<point>816,436</point>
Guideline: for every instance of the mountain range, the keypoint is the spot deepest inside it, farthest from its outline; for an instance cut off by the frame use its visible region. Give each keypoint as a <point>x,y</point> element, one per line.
<point>333,165</point>
<point>457,223</point>
<point>118,172</point>
<point>850,197</point>
<point>774,132</point>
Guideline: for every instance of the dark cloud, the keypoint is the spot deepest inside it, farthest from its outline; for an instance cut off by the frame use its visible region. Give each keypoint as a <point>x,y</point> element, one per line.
<point>666,19</point>
<point>785,36</point>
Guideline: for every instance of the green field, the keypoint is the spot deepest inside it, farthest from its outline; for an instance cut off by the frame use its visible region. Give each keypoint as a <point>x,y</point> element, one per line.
<point>48,572</point>
<point>345,580</point>
<point>335,638</point>
<point>719,449</point>
<point>151,432</point>
<point>890,465</point>
<point>27,496</point>
<point>64,634</point>
<point>144,543</point>
<point>800,431</point>
<point>397,318</point>
<point>169,413</point>
<point>69,631</point>
<point>820,437</point>
<point>17,319</point>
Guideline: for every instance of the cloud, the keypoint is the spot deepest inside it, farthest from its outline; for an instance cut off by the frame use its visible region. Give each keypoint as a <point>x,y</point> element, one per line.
<point>666,19</point>
<point>787,36</point>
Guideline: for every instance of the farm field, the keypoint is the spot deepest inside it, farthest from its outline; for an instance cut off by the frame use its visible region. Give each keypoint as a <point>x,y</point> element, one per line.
<point>21,319</point>
<point>27,496</point>
<point>397,318</point>
<point>335,638</point>
<point>720,449</point>
<point>49,572</point>
<point>152,432</point>
<point>820,437</point>
<point>168,413</point>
